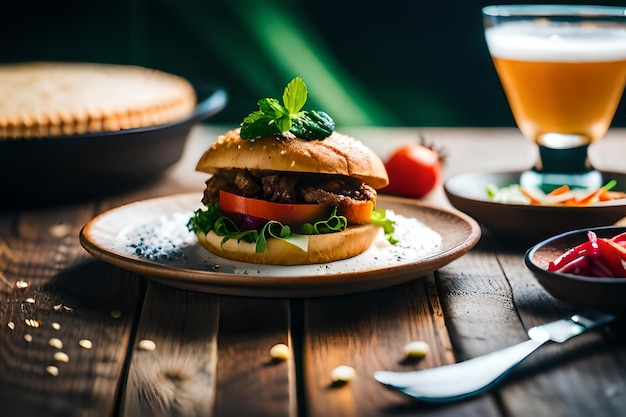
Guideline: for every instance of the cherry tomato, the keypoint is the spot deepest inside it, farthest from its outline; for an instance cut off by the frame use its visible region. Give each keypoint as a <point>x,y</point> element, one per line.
<point>414,170</point>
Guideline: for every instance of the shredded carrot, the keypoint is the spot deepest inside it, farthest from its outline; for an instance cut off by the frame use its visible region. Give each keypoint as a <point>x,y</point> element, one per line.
<point>592,197</point>
<point>564,195</point>
<point>532,198</point>
<point>560,190</point>
<point>595,196</point>
<point>612,195</point>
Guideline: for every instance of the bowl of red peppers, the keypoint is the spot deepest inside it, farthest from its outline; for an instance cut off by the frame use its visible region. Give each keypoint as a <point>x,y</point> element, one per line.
<point>584,268</point>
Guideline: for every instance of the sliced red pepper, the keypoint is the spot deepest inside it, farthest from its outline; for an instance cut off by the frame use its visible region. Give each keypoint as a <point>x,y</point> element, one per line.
<point>596,257</point>
<point>614,256</point>
<point>611,257</point>
<point>618,247</point>
<point>569,256</point>
<point>594,247</point>
<point>619,238</point>
<point>579,266</point>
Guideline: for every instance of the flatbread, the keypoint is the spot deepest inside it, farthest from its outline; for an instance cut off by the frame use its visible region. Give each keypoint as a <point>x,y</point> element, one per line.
<point>43,99</point>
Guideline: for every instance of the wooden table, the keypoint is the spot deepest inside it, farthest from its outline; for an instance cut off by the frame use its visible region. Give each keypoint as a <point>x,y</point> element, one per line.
<point>79,337</point>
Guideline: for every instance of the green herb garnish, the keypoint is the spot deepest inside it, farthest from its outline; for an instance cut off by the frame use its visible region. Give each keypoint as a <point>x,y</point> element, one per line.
<point>212,219</point>
<point>333,224</point>
<point>276,118</point>
<point>379,217</point>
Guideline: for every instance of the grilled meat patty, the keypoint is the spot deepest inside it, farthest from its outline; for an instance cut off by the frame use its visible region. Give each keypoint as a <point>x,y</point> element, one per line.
<point>288,187</point>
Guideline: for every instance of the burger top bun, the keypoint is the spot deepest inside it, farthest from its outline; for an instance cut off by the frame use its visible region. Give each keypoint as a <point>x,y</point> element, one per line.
<point>337,154</point>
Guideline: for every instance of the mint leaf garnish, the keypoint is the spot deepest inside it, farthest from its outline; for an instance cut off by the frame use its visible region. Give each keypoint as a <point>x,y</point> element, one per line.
<point>276,118</point>
<point>295,95</point>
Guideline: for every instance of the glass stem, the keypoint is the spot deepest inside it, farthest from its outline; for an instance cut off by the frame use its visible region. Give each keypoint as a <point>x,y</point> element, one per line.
<point>571,160</point>
<point>558,167</point>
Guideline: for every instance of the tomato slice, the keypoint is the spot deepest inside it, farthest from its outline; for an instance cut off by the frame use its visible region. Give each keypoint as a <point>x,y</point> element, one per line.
<point>358,212</point>
<point>285,213</point>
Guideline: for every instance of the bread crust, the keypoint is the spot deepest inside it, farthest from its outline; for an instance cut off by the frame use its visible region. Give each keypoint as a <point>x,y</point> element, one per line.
<point>43,99</point>
<point>322,248</point>
<point>338,154</point>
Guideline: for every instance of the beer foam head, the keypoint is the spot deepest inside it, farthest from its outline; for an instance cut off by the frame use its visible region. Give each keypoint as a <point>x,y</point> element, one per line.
<point>543,41</point>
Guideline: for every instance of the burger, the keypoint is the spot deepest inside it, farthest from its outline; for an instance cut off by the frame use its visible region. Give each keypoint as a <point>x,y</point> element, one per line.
<point>289,193</point>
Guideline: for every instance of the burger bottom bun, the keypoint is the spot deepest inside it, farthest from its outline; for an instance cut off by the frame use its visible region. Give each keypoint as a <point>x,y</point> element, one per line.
<point>324,248</point>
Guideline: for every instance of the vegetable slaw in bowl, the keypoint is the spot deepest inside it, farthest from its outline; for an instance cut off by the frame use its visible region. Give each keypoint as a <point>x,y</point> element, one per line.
<point>520,221</point>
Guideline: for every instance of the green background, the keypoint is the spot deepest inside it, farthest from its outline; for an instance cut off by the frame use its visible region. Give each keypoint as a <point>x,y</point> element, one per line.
<point>366,63</point>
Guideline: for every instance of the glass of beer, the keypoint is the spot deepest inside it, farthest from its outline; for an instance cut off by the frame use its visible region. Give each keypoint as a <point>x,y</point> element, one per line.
<point>563,71</point>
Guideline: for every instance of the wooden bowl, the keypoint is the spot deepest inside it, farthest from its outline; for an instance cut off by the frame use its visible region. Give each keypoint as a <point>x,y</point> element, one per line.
<point>602,293</point>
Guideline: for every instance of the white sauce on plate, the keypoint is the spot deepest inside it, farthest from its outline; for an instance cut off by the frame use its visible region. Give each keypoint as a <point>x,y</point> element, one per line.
<point>167,240</point>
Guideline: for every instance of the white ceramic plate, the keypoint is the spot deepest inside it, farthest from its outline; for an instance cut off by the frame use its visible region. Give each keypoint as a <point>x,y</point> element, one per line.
<point>151,238</point>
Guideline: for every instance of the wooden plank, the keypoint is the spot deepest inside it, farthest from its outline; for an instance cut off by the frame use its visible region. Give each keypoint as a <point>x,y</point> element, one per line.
<point>174,355</point>
<point>368,332</point>
<point>249,382</point>
<point>40,247</point>
<point>182,375</point>
<point>478,305</point>
<point>589,382</point>
<point>480,314</point>
<point>55,301</point>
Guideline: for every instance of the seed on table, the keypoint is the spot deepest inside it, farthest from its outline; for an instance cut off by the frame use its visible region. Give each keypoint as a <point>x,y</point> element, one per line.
<point>280,352</point>
<point>146,344</point>
<point>60,230</point>
<point>56,343</point>
<point>85,343</point>
<point>32,322</point>
<point>52,370</point>
<point>343,373</point>
<point>416,349</point>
